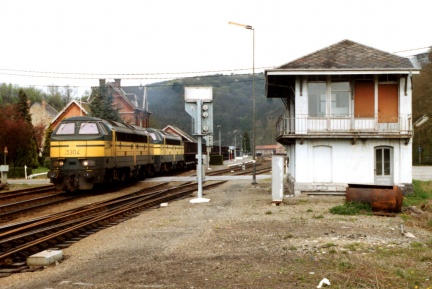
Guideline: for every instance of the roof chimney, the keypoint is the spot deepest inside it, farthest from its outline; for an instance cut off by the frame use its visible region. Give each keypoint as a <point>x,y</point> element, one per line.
<point>117,82</point>
<point>101,82</point>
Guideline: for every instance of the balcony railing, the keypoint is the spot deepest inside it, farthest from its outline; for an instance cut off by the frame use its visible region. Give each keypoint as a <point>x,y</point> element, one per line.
<point>311,125</point>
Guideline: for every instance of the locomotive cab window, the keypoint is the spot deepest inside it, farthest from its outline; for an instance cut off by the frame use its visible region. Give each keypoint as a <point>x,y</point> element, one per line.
<point>66,128</point>
<point>88,128</point>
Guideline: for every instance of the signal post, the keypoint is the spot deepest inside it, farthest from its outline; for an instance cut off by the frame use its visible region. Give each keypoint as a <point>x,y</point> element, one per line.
<point>199,105</point>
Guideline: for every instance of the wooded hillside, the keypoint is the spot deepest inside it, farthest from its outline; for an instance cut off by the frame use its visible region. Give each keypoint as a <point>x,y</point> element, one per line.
<point>232,107</point>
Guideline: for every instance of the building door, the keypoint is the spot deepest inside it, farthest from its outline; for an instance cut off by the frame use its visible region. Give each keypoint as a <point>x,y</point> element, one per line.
<point>322,164</point>
<point>383,166</point>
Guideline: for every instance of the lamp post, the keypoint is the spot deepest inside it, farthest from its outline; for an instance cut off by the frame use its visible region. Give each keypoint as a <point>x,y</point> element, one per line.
<point>235,145</point>
<point>5,153</point>
<point>253,97</point>
<point>220,144</point>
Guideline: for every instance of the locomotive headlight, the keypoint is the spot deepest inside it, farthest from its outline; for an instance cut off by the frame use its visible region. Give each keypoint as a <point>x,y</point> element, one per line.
<point>88,163</point>
<point>58,163</point>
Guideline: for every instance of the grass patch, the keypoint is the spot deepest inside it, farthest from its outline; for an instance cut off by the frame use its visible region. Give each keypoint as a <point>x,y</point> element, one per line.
<point>422,192</point>
<point>40,170</point>
<point>351,208</point>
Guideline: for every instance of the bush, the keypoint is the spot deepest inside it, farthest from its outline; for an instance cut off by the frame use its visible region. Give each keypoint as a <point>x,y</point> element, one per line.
<point>47,162</point>
<point>216,160</point>
<point>18,172</point>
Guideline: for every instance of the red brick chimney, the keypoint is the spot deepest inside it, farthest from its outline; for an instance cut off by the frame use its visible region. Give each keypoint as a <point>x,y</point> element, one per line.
<point>117,82</point>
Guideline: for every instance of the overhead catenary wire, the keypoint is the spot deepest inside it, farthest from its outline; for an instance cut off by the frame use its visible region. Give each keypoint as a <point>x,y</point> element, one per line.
<point>85,75</point>
<point>123,76</point>
<point>147,85</point>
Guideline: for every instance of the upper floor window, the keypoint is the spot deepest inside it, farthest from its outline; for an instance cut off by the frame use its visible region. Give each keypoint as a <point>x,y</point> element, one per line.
<point>317,98</point>
<point>329,98</point>
<point>340,98</point>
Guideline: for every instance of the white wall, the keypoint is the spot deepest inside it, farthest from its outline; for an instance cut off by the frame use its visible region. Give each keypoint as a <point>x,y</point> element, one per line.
<point>353,163</point>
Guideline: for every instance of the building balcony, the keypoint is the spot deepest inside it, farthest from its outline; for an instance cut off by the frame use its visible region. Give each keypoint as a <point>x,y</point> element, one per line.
<point>290,128</point>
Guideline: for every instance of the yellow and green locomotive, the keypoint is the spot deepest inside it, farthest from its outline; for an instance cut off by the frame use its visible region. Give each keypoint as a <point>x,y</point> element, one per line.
<point>85,151</point>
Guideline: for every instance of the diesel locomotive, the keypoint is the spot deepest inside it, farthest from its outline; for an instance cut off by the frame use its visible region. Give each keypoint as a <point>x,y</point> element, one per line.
<point>85,151</point>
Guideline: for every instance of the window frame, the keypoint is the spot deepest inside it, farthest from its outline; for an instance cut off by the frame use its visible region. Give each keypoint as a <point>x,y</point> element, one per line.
<point>328,101</point>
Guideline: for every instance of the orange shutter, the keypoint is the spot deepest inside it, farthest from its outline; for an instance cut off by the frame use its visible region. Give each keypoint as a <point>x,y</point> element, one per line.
<point>388,103</point>
<point>364,99</point>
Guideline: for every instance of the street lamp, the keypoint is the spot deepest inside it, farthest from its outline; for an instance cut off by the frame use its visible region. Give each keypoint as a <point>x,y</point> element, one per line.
<point>220,144</point>
<point>253,96</point>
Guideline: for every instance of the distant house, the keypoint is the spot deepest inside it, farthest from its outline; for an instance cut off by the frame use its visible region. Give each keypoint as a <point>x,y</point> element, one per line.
<point>131,101</point>
<point>348,117</point>
<point>421,59</point>
<point>42,113</point>
<point>73,108</point>
<point>267,150</point>
<point>177,131</point>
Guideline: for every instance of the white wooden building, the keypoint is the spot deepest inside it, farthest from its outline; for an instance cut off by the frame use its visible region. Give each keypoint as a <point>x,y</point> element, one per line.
<point>348,117</point>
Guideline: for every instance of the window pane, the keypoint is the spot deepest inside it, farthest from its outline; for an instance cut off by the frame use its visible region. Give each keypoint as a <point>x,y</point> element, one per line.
<point>378,162</point>
<point>340,98</point>
<point>66,128</point>
<point>340,86</point>
<point>387,162</point>
<point>88,128</point>
<point>317,98</point>
<point>340,103</point>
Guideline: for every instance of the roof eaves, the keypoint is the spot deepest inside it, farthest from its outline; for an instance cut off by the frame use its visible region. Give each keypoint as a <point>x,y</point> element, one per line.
<point>341,71</point>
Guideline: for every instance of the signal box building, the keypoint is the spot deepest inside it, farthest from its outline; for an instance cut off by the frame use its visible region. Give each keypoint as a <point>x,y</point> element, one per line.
<point>348,118</point>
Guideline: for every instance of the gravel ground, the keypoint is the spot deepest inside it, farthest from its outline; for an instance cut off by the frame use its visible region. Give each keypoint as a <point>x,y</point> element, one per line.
<point>237,240</point>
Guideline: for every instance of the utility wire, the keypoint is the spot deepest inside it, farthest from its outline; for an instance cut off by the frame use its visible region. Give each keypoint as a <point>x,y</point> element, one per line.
<point>18,72</point>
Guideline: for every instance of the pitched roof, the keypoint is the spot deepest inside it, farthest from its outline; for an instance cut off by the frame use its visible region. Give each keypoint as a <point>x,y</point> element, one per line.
<point>349,55</point>
<point>48,108</point>
<point>178,131</point>
<point>136,93</point>
<point>81,105</point>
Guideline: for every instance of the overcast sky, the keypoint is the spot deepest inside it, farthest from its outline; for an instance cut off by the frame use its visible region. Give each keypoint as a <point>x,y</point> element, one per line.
<point>141,41</point>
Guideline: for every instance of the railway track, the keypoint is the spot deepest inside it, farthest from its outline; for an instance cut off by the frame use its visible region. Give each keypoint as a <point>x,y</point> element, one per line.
<point>7,196</point>
<point>12,209</point>
<point>242,169</point>
<point>20,240</point>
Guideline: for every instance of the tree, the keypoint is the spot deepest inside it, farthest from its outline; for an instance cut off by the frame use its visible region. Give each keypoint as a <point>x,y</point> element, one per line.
<point>23,106</point>
<point>246,142</point>
<point>47,147</point>
<point>422,104</point>
<point>18,136</point>
<point>69,94</point>
<point>54,98</point>
<point>102,105</point>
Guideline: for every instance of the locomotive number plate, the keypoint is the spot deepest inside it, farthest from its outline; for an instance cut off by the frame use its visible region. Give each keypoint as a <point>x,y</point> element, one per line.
<point>72,152</point>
